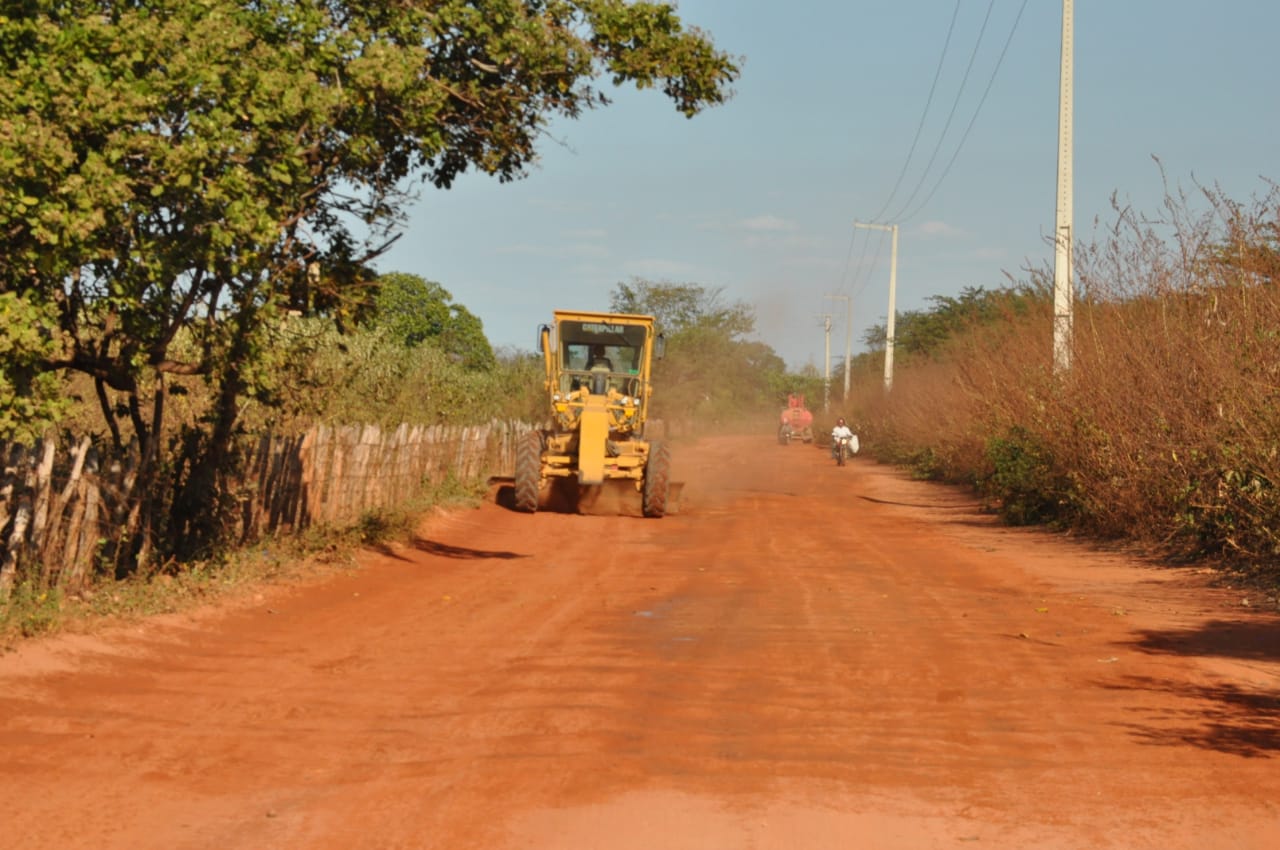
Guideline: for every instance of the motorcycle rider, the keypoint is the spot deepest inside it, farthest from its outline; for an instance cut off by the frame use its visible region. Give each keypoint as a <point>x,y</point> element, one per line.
<point>843,430</point>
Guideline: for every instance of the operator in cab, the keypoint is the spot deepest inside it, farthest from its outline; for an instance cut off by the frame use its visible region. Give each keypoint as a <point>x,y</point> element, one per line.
<point>598,360</point>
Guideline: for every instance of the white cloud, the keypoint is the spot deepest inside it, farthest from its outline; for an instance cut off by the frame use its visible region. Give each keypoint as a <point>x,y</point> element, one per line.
<point>767,224</point>
<point>940,228</point>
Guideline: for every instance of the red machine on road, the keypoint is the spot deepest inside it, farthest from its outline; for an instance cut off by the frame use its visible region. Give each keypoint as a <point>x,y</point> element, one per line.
<point>796,421</point>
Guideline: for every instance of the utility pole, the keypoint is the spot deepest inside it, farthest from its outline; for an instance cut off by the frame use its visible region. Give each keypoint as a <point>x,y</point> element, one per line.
<point>848,340</point>
<point>1063,292</point>
<point>826,363</point>
<point>893,294</point>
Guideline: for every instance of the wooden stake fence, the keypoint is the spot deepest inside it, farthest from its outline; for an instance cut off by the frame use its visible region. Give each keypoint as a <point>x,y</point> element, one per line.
<point>60,510</point>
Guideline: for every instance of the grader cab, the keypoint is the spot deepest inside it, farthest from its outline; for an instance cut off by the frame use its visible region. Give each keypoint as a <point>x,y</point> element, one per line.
<point>594,455</point>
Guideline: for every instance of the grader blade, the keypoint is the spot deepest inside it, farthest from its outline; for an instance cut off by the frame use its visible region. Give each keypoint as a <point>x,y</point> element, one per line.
<point>557,496</point>
<point>615,497</point>
<point>621,498</point>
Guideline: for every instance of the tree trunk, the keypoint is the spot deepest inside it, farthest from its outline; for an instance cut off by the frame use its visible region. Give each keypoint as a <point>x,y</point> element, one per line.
<point>199,511</point>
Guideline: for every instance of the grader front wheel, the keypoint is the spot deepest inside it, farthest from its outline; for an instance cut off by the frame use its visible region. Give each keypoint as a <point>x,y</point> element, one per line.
<point>657,481</point>
<point>528,472</point>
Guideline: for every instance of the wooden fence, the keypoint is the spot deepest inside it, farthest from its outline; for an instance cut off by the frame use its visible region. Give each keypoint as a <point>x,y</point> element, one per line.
<point>62,507</point>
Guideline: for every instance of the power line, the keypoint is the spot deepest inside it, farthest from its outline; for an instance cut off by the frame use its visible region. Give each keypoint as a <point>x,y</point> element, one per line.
<point>862,271</point>
<point>972,121</point>
<point>906,211</point>
<point>865,269</point>
<point>946,127</point>
<point>937,74</point>
<point>844,275</point>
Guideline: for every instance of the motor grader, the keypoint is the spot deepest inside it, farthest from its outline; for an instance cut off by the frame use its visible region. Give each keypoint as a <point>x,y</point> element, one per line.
<point>594,457</point>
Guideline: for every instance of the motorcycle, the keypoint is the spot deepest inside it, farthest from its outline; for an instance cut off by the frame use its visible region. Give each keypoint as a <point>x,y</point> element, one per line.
<point>842,450</point>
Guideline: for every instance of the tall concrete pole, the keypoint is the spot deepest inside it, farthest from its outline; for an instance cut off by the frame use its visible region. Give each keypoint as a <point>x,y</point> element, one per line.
<point>893,312</point>
<point>826,364</point>
<point>1063,291</point>
<point>893,294</point>
<point>848,340</point>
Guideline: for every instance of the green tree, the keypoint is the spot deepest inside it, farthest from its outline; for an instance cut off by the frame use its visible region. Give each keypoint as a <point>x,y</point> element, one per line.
<point>677,307</point>
<point>415,310</point>
<point>29,397</point>
<point>712,372</point>
<point>926,332</point>
<point>188,170</point>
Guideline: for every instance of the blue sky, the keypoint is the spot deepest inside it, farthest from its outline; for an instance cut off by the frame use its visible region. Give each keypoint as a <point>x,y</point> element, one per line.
<point>758,197</point>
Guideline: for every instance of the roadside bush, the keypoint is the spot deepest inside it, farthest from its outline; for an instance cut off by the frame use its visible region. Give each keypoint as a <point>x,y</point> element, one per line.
<point>1024,484</point>
<point>1166,430</point>
<point>372,377</point>
<point>30,611</point>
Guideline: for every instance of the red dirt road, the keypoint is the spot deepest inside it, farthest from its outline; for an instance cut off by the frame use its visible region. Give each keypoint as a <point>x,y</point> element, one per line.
<point>805,657</point>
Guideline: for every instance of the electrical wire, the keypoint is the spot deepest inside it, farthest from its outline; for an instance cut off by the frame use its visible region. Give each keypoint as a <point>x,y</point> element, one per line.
<point>972,121</point>
<point>862,270</point>
<point>946,127</point>
<point>906,210</point>
<point>924,114</point>
<point>844,275</point>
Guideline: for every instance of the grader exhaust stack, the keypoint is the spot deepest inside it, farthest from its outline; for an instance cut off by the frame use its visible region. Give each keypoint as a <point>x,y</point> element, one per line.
<point>594,457</point>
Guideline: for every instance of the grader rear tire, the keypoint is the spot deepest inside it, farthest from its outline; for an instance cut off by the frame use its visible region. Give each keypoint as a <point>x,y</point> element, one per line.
<point>657,481</point>
<point>528,472</point>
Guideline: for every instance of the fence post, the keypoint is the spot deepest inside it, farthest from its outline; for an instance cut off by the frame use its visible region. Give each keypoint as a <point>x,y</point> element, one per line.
<point>21,501</point>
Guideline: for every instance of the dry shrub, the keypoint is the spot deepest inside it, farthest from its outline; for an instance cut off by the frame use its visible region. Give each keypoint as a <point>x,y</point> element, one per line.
<point>926,422</point>
<point>1175,383</point>
<point>1166,430</point>
<point>944,408</point>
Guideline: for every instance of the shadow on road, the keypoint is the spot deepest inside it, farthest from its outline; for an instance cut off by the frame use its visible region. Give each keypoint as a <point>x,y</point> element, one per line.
<point>1256,640</point>
<point>961,504</point>
<point>1225,718</point>
<point>444,550</point>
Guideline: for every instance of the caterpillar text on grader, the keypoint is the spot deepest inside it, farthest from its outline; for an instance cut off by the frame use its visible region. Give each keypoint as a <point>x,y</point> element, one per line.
<point>594,457</point>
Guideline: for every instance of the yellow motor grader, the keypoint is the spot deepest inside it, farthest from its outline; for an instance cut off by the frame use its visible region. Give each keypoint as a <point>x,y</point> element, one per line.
<point>594,457</point>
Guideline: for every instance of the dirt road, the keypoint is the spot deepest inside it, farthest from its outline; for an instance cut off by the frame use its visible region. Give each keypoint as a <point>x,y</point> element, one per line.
<point>805,657</point>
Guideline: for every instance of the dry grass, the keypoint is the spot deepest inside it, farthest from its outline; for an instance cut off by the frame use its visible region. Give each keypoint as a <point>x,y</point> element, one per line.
<point>1166,431</point>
